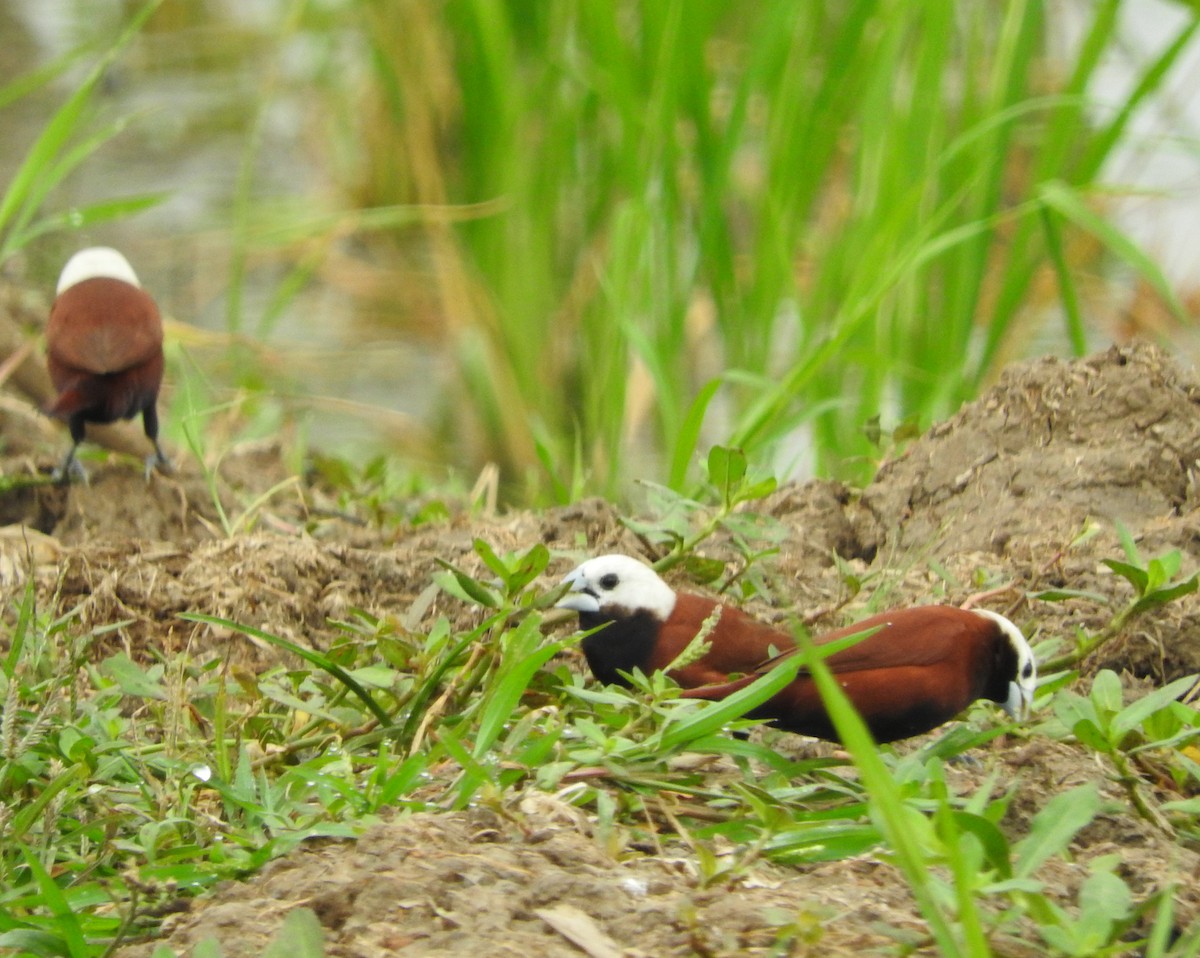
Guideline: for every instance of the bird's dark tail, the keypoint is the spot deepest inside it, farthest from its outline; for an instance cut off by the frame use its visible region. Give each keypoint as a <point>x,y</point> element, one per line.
<point>69,402</point>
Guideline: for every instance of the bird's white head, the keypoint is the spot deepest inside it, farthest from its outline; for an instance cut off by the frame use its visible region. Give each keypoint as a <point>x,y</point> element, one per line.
<point>93,263</point>
<point>614,584</point>
<point>1024,680</point>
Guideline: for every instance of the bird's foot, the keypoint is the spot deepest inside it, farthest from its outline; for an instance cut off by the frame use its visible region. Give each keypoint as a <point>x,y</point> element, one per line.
<point>158,460</point>
<point>70,471</point>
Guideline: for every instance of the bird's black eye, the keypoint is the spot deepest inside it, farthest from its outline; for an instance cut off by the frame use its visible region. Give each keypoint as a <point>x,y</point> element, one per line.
<point>1027,671</point>
<point>610,581</point>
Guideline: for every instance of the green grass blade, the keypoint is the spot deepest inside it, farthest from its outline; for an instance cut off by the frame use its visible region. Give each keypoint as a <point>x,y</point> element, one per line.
<point>314,658</point>
<point>502,698</point>
<point>710,718</point>
<point>1066,286</point>
<point>66,923</point>
<point>1054,827</point>
<point>895,819</point>
<point>32,181</point>
<point>1068,203</point>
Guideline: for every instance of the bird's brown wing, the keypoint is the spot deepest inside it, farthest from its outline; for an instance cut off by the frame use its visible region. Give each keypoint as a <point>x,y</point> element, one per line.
<point>904,637</point>
<point>737,643</point>
<point>915,636</point>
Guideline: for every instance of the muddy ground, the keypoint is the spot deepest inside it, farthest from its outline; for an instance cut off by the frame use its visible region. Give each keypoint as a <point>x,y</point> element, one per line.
<point>999,494</point>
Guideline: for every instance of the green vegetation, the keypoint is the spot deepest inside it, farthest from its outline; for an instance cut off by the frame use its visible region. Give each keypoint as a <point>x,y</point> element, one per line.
<point>664,239</point>
<point>795,228</point>
<point>66,142</point>
<point>126,784</point>
<point>766,224</point>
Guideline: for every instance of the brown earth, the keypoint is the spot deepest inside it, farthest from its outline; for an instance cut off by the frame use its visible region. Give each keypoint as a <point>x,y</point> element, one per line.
<point>998,495</point>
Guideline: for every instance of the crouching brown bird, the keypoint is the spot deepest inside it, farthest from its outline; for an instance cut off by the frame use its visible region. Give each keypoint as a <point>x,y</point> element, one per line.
<point>104,351</point>
<point>920,666</point>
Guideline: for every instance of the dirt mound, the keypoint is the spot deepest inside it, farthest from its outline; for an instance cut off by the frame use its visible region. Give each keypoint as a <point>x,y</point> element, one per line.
<point>1115,438</point>
<point>535,882</point>
<point>476,883</point>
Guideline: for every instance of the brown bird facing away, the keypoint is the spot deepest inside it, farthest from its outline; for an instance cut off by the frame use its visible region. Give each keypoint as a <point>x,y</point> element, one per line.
<point>104,351</point>
<point>920,666</point>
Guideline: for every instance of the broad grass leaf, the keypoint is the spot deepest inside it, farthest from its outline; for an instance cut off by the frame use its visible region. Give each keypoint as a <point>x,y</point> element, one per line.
<point>1055,827</point>
<point>131,678</point>
<point>991,839</point>
<point>34,941</point>
<point>300,936</point>
<point>1134,714</point>
<point>1135,575</point>
<point>1067,201</point>
<point>688,437</point>
<point>505,693</point>
<point>309,655</point>
<point>705,721</point>
<point>65,923</point>
<point>462,586</point>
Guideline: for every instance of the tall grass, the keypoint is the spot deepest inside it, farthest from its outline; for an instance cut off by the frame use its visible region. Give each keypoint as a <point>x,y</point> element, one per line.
<point>830,210</point>
<point>70,136</point>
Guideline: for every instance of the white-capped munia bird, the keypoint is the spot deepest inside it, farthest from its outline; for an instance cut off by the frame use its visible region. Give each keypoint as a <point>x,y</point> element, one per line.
<point>104,351</point>
<point>919,668</point>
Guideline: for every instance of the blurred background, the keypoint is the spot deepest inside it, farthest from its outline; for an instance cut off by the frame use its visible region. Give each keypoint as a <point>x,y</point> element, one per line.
<point>583,241</point>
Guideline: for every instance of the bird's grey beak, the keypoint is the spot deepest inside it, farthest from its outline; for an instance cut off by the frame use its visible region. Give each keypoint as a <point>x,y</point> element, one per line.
<point>580,598</point>
<point>1019,702</point>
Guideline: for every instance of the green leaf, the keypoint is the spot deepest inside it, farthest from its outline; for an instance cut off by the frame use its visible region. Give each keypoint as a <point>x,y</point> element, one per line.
<point>300,936</point>
<point>1186,806</point>
<point>1104,899</point>
<point>1134,714</point>
<point>702,569</point>
<point>1090,735</point>
<point>1135,575</point>
<point>29,812</point>
<point>1165,595</point>
<point>490,559</point>
<point>50,159</point>
<point>34,942</point>
<point>131,678</point>
<point>505,693</point>
<point>309,655</point>
<point>1054,828</point>
<point>531,565</point>
<point>688,437</point>
<point>757,490</point>
<point>21,627</point>
<point>726,469</point>
<point>463,587</point>
<point>1128,545</point>
<point>708,719</point>
<point>1067,201</point>
<point>995,845</point>
<point>65,921</point>
<point>1062,595</point>
<point>1107,694</point>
